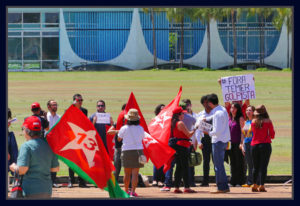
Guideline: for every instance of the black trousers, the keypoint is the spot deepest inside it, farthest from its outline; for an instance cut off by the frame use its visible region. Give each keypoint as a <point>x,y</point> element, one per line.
<point>261,156</point>
<point>237,165</point>
<point>182,167</point>
<point>207,153</point>
<point>72,178</point>
<point>53,177</point>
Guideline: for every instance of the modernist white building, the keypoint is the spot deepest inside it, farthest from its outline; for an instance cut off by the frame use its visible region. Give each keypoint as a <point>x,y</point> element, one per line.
<point>43,39</point>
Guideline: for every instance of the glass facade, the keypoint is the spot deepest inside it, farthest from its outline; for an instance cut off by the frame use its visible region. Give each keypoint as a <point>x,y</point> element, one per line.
<point>99,36</point>
<point>33,40</point>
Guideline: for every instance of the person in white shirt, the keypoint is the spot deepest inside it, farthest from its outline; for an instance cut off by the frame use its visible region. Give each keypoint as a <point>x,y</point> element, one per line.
<point>204,141</point>
<point>132,135</point>
<point>52,118</point>
<point>220,135</point>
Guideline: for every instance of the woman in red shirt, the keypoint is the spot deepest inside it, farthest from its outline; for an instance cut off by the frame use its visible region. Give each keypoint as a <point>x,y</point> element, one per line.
<point>179,130</point>
<point>263,132</point>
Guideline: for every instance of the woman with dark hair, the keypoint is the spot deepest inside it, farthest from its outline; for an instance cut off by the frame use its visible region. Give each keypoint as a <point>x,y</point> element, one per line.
<point>11,143</point>
<point>132,135</point>
<point>35,161</point>
<point>179,130</point>
<point>263,132</point>
<point>237,166</point>
<point>158,174</point>
<point>246,149</point>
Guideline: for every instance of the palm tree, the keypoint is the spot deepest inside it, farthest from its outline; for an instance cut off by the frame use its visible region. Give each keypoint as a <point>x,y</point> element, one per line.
<point>263,14</point>
<point>284,15</point>
<point>205,15</point>
<point>235,14</point>
<point>152,12</point>
<point>177,15</point>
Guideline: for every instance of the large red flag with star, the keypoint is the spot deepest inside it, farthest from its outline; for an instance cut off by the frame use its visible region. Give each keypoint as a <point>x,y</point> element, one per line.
<point>156,151</point>
<point>75,141</point>
<point>160,127</point>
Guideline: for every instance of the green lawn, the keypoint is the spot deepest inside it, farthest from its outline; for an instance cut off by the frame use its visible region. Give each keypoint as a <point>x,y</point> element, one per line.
<point>273,89</point>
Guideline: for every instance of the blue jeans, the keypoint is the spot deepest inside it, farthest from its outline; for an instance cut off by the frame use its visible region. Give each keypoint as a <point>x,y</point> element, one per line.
<point>248,158</point>
<point>169,175</point>
<point>218,150</point>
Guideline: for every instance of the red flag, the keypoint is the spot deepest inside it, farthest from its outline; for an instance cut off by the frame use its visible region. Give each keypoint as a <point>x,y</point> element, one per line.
<point>132,103</point>
<point>76,142</point>
<point>160,129</point>
<point>158,152</point>
<point>110,143</point>
<point>120,120</point>
<point>160,126</point>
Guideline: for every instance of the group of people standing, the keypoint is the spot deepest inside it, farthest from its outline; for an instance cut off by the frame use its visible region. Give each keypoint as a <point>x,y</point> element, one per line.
<point>241,131</point>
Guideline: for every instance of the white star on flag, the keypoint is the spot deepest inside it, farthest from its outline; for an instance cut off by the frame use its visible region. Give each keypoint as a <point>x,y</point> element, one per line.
<point>85,140</point>
<point>160,120</point>
<point>149,140</point>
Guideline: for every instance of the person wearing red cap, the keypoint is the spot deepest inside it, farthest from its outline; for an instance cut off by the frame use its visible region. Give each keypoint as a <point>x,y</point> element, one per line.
<point>38,112</point>
<point>179,130</point>
<point>35,161</point>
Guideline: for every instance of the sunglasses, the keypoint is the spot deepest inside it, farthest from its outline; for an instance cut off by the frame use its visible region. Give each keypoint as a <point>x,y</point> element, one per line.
<point>100,106</point>
<point>79,100</point>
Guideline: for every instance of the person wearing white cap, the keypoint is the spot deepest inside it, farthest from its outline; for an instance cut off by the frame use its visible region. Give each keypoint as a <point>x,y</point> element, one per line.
<point>132,135</point>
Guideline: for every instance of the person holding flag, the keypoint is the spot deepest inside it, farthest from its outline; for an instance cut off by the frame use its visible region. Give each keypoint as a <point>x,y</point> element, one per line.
<point>76,142</point>
<point>77,102</point>
<point>132,135</point>
<point>179,130</point>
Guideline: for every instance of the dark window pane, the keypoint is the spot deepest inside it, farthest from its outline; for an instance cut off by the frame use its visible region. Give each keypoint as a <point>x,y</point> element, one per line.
<point>31,33</point>
<point>50,48</point>
<point>31,17</point>
<point>14,49</point>
<point>32,48</point>
<point>51,65</point>
<point>14,33</point>
<point>51,18</point>
<point>50,33</point>
<point>14,18</point>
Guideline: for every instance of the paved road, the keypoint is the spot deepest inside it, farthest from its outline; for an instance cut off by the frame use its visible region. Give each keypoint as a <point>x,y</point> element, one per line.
<point>275,191</point>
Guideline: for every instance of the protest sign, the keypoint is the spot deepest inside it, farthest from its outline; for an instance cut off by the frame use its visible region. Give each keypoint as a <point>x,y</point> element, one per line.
<point>103,118</point>
<point>203,126</point>
<point>236,88</point>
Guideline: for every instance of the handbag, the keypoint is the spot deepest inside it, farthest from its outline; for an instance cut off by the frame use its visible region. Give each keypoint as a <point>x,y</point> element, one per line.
<point>195,158</point>
<point>17,191</point>
<point>142,158</point>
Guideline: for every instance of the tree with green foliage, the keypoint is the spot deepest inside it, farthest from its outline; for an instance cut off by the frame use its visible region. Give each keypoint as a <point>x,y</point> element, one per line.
<point>285,16</point>
<point>205,15</point>
<point>177,15</point>
<point>152,12</point>
<point>262,14</point>
<point>234,14</point>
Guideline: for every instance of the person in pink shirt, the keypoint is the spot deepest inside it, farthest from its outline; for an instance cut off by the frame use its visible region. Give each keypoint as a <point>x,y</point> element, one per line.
<point>263,132</point>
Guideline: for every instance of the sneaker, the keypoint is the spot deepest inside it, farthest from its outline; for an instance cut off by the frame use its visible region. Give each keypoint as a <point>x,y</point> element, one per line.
<point>238,185</point>
<point>246,185</point>
<point>189,191</point>
<point>166,189</point>
<point>177,191</point>
<point>134,194</point>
